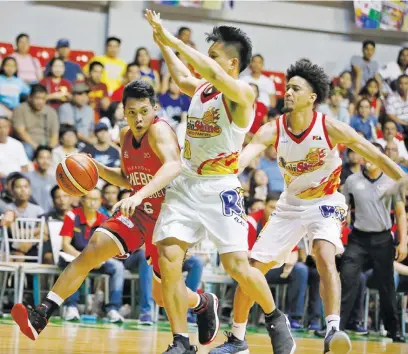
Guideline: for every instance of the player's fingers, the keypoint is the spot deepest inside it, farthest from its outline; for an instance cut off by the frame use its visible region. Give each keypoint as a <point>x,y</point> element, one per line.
<point>132,209</point>
<point>117,205</point>
<point>396,254</point>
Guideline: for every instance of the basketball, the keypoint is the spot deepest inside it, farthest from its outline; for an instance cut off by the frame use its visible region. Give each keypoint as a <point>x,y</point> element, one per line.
<point>77,174</point>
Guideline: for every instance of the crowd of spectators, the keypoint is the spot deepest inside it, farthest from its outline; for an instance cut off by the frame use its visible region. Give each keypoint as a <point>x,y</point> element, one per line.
<point>47,113</point>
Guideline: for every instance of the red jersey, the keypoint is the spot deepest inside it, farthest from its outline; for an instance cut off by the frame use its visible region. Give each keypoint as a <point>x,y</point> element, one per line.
<point>52,87</point>
<point>260,112</point>
<point>141,164</point>
<point>117,94</point>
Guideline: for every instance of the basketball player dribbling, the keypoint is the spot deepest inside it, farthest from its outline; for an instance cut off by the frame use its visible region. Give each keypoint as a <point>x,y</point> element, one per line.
<point>207,199</point>
<point>310,206</point>
<point>150,160</point>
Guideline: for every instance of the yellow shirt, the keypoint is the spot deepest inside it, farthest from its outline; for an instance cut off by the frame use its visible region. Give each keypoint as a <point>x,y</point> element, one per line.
<point>112,76</point>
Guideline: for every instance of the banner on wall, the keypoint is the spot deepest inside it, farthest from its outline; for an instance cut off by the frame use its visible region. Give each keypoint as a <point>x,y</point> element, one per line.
<point>385,15</point>
<point>199,4</point>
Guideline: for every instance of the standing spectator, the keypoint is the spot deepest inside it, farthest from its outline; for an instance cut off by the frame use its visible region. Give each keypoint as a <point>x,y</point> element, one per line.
<point>364,68</point>
<point>390,134</point>
<point>371,91</point>
<point>78,113</point>
<point>61,204</point>
<point>41,180</point>
<point>132,74</point>
<point>73,71</point>
<point>98,94</point>
<point>391,150</point>
<point>397,105</point>
<point>261,112</point>
<point>68,139</point>
<point>13,157</point>
<point>59,89</point>
<point>363,121</point>
<point>142,59</point>
<point>79,225</point>
<point>103,151</point>
<point>353,165</point>
<point>335,108</point>
<point>29,68</point>
<point>11,87</point>
<point>114,66</point>
<point>269,164</point>
<point>110,196</point>
<point>371,240</point>
<point>115,121</point>
<point>390,73</point>
<point>267,91</point>
<point>35,122</point>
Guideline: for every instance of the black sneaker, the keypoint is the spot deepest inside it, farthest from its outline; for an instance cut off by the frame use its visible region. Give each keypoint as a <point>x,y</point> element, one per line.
<point>356,329</point>
<point>207,318</point>
<point>396,337</point>
<point>337,342</point>
<point>31,321</point>
<point>178,348</point>
<point>232,346</point>
<point>278,329</point>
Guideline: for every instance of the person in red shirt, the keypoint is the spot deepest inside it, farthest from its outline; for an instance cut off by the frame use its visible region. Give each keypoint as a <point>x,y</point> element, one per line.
<point>98,94</point>
<point>58,88</point>
<point>132,74</point>
<point>261,112</point>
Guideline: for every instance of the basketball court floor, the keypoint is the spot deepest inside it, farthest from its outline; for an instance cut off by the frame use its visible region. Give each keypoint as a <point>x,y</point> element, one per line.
<point>98,337</point>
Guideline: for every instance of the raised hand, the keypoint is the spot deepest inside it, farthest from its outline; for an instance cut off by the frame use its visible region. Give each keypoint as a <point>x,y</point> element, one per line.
<point>160,34</point>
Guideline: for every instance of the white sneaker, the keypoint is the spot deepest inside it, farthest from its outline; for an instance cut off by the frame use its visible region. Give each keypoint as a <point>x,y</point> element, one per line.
<point>71,313</point>
<point>115,317</point>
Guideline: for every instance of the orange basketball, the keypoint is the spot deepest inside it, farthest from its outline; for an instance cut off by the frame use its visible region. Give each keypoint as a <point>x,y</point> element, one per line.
<point>77,174</point>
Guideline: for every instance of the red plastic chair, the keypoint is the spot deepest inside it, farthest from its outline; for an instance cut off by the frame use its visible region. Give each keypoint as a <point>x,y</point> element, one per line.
<point>82,57</point>
<point>43,54</point>
<point>6,49</point>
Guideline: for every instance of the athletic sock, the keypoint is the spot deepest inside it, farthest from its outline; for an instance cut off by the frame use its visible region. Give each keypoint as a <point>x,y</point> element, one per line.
<point>183,339</point>
<point>201,303</point>
<point>51,303</point>
<point>273,315</point>
<point>332,321</point>
<point>238,330</point>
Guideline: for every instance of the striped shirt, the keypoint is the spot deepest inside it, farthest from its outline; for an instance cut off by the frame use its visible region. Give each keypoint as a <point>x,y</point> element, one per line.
<point>397,105</point>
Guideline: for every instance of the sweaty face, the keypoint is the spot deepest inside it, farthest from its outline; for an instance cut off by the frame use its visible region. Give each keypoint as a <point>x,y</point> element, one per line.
<point>139,114</point>
<point>218,52</point>
<point>299,94</point>
<point>368,51</point>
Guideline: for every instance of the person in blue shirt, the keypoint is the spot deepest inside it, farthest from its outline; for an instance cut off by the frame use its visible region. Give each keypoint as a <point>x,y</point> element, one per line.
<point>363,122</point>
<point>11,87</point>
<point>335,108</point>
<point>73,71</point>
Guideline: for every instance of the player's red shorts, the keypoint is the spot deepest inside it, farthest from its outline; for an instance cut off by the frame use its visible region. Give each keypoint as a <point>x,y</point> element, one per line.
<point>129,235</point>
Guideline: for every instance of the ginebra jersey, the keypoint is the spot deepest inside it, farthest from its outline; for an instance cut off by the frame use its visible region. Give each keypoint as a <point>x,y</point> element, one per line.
<point>309,164</point>
<point>140,165</point>
<point>213,141</point>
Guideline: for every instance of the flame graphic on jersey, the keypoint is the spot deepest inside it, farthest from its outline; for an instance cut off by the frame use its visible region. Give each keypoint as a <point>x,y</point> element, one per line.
<point>205,127</point>
<point>222,165</point>
<point>328,186</point>
<point>313,161</point>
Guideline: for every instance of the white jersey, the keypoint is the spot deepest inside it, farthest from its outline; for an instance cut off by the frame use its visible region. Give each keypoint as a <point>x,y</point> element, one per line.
<point>310,165</point>
<point>213,141</point>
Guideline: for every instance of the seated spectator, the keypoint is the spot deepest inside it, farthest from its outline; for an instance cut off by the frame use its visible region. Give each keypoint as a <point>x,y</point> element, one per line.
<point>11,87</point>
<point>269,164</point>
<point>132,74</point>
<point>103,151</point>
<point>61,204</point>
<point>59,89</point>
<point>246,174</point>
<point>352,165</point>
<point>73,71</point>
<point>79,225</point>
<point>6,193</point>
<point>115,121</point>
<point>35,122</point>
<point>29,68</point>
<point>41,180</point>
<point>78,113</point>
<point>364,67</point>
<point>110,196</point>
<point>114,67</point>
<point>345,84</point>
<point>98,94</point>
<point>13,157</point>
<point>255,205</point>
<point>363,121</point>
<point>258,185</point>
<point>391,150</point>
<point>261,112</point>
<point>396,105</point>
<point>335,108</point>
<point>390,134</point>
<point>68,139</point>
<point>371,91</point>
<point>389,74</point>
<point>142,59</point>
<point>267,91</point>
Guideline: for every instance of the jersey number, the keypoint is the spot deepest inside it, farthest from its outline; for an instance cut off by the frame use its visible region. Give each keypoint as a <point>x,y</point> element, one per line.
<point>187,150</point>
<point>148,208</point>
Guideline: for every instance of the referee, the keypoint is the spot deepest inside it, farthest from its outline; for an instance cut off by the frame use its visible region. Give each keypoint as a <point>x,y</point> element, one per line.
<point>371,243</point>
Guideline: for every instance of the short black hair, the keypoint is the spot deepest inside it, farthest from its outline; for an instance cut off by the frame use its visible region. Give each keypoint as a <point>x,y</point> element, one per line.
<point>107,185</point>
<point>122,192</point>
<point>65,128</point>
<point>400,54</point>
<point>368,42</point>
<point>234,37</point>
<point>364,90</point>
<point>314,75</point>
<point>37,88</point>
<point>22,35</point>
<point>53,191</point>
<point>41,148</point>
<point>95,63</point>
<point>403,76</point>
<point>380,147</point>
<point>51,63</point>
<point>130,65</point>
<point>110,39</point>
<point>3,63</point>
<point>139,89</point>
<point>182,29</point>
<point>14,181</point>
<point>258,56</point>
<point>388,121</point>
<point>272,196</point>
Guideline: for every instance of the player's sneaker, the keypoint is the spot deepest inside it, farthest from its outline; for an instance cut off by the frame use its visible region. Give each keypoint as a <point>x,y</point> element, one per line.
<point>207,318</point>
<point>145,319</point>
<point>71,313</point>
<point>233,345</point>
<point>31,321</point>
<point>279,331</point>
<point>178,348</point>
<point>337,342</point>
<point>114,316</point>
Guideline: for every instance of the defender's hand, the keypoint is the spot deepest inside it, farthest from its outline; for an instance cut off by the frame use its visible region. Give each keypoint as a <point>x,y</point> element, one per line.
<point>128,206</point>
<point>162,35</point>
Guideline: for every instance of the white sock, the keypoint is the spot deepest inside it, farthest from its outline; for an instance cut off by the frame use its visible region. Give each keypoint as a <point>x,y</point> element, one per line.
<point>198,301</point>
<point>55,298</point>
<point>332,321</point>
<point>238,330</point>
<point>183,334</point>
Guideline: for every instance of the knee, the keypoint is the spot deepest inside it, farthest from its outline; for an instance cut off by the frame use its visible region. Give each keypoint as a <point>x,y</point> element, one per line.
<point>48,258</point>
<point>118,268</point>
<point>237,267</point>
<point>324,253</point>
